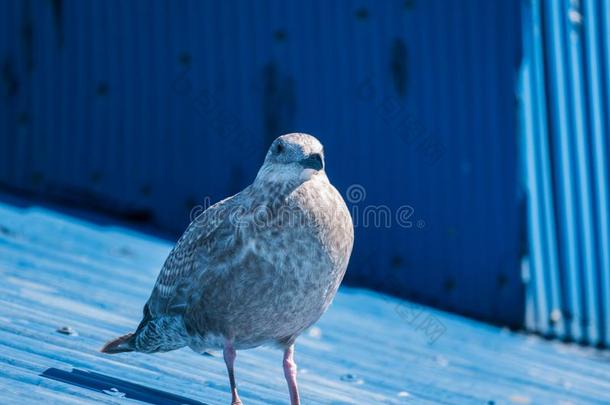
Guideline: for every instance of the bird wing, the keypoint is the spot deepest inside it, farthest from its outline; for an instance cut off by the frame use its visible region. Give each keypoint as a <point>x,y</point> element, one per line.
<point>211,233</point>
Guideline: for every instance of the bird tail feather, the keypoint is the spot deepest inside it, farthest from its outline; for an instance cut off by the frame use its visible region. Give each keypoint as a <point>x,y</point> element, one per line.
<point>119,345</point>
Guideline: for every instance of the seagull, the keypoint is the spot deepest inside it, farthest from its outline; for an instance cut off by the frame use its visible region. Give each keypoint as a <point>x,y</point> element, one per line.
<point>254,269</point>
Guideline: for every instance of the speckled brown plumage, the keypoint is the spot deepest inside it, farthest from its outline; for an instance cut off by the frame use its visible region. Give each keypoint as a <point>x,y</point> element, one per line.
<point>256,268</point>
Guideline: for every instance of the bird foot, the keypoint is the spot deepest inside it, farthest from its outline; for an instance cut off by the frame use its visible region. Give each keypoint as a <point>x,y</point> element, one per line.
<point>238,402</point>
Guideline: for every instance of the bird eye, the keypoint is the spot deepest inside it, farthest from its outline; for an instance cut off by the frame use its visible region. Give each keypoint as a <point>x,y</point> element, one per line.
<point>279,148</point>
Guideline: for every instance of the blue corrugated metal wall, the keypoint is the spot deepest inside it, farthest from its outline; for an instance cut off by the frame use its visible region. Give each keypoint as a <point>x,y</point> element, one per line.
<point>147,108</point>
<point>566,105</point>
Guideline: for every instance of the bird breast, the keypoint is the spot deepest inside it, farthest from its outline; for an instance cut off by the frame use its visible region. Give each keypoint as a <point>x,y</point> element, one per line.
<point>286,273</point>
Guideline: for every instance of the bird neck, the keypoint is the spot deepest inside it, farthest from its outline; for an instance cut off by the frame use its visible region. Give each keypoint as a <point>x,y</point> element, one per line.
<point>275,189</point>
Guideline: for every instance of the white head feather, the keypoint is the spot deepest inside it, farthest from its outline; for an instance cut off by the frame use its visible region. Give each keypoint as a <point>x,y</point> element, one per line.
<point>292,158</point>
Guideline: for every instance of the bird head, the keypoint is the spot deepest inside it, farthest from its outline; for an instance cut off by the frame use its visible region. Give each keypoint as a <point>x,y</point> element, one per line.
<point>292,158</point>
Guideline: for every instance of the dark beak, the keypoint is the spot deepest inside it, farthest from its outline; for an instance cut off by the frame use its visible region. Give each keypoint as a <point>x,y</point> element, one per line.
<point>313,161</point>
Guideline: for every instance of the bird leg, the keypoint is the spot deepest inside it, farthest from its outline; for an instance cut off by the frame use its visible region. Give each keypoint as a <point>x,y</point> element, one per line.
<point>290,372</point>
<point>229,356</point>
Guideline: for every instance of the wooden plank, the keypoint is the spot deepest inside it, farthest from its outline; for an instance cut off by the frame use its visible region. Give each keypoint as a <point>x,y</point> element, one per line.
<point>369,348</point>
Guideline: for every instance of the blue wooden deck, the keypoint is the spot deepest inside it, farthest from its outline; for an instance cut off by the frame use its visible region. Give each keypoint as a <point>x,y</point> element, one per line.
<point>91,279</point>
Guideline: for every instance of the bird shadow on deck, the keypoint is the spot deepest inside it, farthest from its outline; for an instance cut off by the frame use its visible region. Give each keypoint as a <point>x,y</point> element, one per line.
<point>116,387</point>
